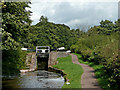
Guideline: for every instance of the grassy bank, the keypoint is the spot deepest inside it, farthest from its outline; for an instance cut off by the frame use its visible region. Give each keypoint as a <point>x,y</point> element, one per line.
<point>102,78</point>
<point>73,71</point>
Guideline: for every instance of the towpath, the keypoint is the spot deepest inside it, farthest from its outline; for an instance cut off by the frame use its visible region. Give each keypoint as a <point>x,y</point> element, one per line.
<point>88,79</point>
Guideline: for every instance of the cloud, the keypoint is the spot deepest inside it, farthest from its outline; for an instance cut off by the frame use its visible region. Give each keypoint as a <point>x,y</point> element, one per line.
<point>119,10</point>
<point>74,13</point>
<point>75,1</point>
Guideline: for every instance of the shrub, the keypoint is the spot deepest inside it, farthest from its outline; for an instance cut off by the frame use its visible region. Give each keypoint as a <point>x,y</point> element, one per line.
<point>13,61</point>
<point>102,49</point>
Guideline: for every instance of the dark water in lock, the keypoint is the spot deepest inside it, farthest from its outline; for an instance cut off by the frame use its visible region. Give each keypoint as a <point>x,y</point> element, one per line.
<point>36,79</point>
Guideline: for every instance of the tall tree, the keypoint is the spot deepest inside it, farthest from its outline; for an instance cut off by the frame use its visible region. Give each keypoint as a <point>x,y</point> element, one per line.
<point>16,18</point>
<point>15,21</point>
<point>43,20</point>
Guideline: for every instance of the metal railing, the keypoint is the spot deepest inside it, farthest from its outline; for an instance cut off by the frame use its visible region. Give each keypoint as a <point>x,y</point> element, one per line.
<point>42,49</point>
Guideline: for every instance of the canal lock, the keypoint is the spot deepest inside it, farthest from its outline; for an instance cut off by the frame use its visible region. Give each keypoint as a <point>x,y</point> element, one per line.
<point>40,78</point>
<point>42,63</point>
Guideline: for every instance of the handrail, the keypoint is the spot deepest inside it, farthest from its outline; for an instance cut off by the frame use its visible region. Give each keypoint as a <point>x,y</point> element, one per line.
<point>42,49</point>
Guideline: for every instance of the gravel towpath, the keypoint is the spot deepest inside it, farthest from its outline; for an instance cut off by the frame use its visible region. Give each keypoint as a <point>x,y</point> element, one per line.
<point>88,79</point>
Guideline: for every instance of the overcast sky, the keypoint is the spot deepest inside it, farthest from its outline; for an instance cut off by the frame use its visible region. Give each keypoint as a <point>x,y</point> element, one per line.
<point>75,13</point>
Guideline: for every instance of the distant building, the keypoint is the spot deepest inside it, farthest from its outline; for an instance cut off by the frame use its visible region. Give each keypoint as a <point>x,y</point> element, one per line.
<point>68,51</point>
<point>25,49</point>
<point>61,48</point>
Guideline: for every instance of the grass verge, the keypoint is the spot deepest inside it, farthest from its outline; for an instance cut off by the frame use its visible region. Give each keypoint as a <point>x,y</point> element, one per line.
<point>73,71</point>
<point>99,73</point>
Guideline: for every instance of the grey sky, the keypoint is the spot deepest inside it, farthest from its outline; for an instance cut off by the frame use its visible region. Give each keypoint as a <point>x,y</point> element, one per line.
<point>75,13</point>
<point>119,10</point>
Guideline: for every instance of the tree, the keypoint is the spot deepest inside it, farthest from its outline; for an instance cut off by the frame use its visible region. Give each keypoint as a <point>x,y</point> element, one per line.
<point>15,21</point>
<point>43,20</point>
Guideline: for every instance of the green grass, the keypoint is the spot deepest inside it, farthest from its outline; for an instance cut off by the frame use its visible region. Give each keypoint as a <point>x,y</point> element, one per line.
<point>99,73</point>
<point>73,71</point>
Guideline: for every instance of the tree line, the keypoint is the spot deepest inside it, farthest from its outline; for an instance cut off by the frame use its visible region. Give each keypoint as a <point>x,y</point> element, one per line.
<point>100,45</point>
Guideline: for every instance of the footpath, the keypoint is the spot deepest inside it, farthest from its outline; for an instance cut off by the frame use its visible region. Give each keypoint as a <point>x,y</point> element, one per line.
<point>88,79</point>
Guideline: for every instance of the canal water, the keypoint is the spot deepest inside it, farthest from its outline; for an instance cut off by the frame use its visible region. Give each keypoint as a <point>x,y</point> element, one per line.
<point>36,79</point>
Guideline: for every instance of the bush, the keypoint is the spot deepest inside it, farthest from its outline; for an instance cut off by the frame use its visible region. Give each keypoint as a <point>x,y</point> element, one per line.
<point>13,61</point>
<point>101,49</point>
